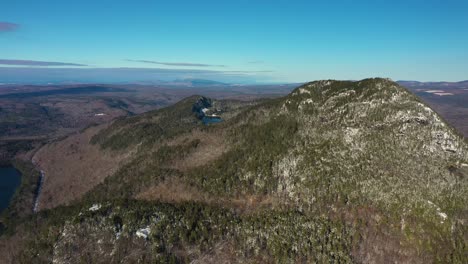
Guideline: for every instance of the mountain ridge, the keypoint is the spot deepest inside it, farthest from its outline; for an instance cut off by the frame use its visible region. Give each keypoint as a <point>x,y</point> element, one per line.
<point>336,170</point>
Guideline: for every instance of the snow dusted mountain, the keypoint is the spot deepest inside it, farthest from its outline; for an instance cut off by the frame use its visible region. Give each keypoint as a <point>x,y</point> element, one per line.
<point>336,171</point>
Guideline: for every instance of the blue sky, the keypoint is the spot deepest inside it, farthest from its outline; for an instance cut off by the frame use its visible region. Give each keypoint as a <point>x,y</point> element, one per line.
<point>263,41</point>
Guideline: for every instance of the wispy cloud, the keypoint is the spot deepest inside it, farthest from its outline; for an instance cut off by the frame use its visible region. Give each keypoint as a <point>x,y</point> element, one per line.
<point>265,71</point>
<point>255,62</point>
<point>178,64</point>
<point>37,63</point>
<point>7,26</point>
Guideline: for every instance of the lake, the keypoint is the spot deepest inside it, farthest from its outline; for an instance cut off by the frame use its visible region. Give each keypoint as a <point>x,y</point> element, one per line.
<point>211,120</point>
<point>10,179</point>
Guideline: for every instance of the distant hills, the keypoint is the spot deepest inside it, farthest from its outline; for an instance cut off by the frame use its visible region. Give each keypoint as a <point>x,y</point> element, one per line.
<point>199,82</point>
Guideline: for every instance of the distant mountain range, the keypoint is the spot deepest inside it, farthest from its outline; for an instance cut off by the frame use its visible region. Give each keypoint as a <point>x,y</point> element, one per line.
<point>199,82</point>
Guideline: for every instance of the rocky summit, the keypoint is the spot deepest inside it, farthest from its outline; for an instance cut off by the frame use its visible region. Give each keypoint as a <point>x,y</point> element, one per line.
<point>334,172</point>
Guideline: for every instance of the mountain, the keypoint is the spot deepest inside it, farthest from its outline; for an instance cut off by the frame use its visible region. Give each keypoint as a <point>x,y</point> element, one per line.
<point>336,171</point>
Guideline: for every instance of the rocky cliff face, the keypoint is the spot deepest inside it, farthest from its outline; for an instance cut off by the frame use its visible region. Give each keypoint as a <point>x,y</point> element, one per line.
<point>337,171</point>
